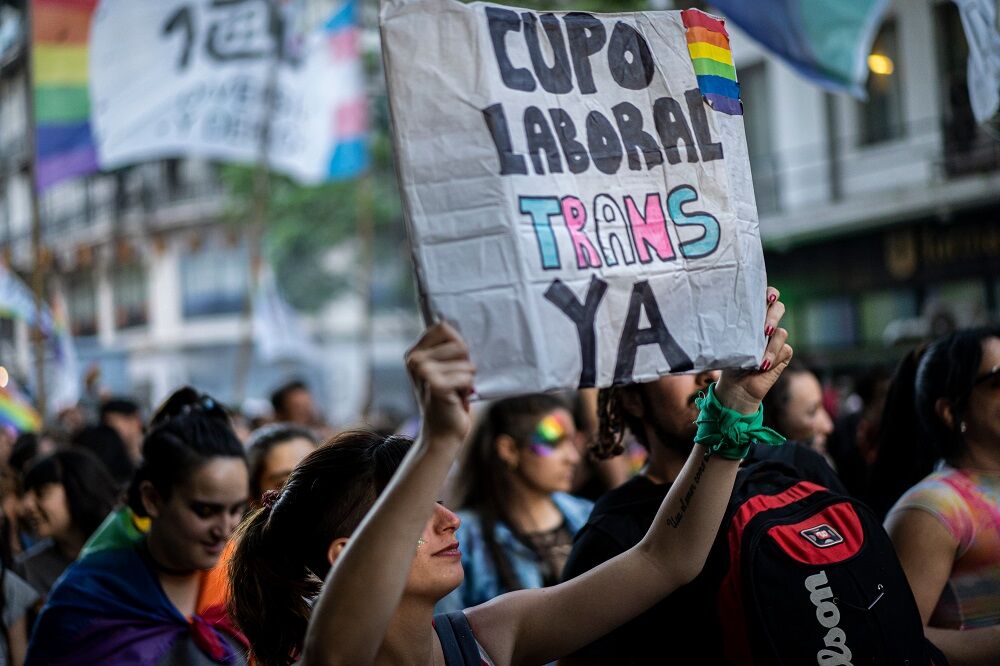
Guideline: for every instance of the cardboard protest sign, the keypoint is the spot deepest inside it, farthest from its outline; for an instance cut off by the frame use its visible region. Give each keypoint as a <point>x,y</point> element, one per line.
<point>192,77</point>
<point>577,190</point>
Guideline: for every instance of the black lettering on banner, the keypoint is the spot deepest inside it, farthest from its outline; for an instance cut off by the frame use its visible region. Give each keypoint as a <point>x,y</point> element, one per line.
<point>576,154</point>
<point>586,37</point>
<point>672,127</point>
<point>557,79</point>
<point>583,315</point>
<point>182,20</point>
<point>540,140</point>
<point>629,57</point>
<point>502,21</point>
<point>496,122</point>
<point>699,118</point>
<point>633,337</point>
<point>636,141</point>
<point>605,146</point>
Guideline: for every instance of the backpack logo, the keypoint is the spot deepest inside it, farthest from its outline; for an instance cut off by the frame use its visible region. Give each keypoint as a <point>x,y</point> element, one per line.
<point>822,536</point>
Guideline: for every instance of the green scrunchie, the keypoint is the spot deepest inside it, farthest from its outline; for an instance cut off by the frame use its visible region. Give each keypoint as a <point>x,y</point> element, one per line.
<point>726,432</point>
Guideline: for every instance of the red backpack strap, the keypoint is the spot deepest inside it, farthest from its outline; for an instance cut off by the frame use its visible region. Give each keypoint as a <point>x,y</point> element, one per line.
<point>737,642</point>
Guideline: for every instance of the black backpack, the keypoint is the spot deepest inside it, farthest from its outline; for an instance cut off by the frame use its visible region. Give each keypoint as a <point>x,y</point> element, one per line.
<point>804,575</point>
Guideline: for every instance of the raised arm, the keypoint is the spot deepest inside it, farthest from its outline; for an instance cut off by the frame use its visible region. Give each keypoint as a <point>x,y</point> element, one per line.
<point>362,591</point>
<point>537,626</point>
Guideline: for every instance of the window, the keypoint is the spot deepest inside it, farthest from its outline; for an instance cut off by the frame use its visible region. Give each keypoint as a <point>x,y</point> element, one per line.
<point>882,308</point>
<point>760,144</point>
<point>967,147</point>
<point>881,117</point>
<point>81,303</point>
<point>128,282</point>
<point>214,280</point>
<point>830,322</point>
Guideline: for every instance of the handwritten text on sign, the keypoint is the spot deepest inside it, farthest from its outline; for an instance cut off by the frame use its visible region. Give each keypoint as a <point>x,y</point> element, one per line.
<point>596,195</point>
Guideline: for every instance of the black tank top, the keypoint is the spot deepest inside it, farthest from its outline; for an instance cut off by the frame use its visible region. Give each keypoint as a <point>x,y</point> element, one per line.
<point>457,640</point>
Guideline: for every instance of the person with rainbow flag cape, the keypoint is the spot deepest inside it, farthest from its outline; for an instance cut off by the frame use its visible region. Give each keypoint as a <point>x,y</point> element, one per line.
<point>148,587</point>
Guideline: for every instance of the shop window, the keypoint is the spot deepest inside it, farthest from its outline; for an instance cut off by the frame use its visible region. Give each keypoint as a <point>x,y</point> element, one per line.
<point>830,323</point>
<point>214,280</point>
<point>881,117</point>
<point>128,283</point>
<point>882,308</point>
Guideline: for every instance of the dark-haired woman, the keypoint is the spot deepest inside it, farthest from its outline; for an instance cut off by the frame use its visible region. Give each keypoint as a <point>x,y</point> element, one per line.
<point>152,601</point>
<point>946,529</point>
<point>273,451</point>
<point>66,497</point>
<point>361,514</point>
<point>794,407</point>
<point>518,520</point>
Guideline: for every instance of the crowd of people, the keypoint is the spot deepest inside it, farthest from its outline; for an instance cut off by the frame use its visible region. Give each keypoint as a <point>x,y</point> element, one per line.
<point>519,531</point>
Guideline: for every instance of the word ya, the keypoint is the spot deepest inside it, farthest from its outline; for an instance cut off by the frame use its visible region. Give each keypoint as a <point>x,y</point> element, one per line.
<point>642,302</point>
<point>836,652</point>
<point>614,235</point>
<point>553,138</point>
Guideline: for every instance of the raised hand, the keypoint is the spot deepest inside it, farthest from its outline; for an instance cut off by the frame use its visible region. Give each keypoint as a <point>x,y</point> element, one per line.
<point>442,377</point>
<point>743,390</point>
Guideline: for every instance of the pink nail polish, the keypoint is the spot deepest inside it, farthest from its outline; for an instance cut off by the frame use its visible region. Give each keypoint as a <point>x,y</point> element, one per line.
<point>765,366</point>
<point>772,298</point>
<point>769,330</point>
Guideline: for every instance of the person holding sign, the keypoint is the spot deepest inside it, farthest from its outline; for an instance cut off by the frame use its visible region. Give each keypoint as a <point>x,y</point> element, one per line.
<point>361,513</point>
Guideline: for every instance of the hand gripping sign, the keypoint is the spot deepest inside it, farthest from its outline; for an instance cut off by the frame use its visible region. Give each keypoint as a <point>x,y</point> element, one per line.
<point>577,190</point>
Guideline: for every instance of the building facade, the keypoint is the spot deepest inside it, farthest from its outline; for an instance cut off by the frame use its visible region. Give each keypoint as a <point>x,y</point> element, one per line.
<point>879,218</point>
<point>154,274</point>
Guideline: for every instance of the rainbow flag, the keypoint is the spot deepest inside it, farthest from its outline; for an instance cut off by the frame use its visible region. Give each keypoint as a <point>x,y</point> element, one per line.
<point>64,143</point>
<point>708,44</point>
<point>17,413</point>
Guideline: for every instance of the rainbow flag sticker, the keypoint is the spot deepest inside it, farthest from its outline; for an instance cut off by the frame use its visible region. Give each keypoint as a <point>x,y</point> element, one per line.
<point>708,44</point>
<point>64,142</point>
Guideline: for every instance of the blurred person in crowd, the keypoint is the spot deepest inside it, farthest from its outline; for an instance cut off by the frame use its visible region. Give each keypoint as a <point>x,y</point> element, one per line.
<point>594,477</point>
<point>946,529</point>
<point>8,436</point>
<point>293,403</point>
<point>71,420</point>
<point>125,418</point>
<point>273,451</point>
<point>517,518</point>
<point>903,455</point>
<point>852,443</point>
<point>360,513</point>
<point>661,416</point>
<point>106,444</point>
<point>795,408</point>
<point>28,448</point>
<point>66,496</point>
<point>17,598</point>
<point>155,599</point>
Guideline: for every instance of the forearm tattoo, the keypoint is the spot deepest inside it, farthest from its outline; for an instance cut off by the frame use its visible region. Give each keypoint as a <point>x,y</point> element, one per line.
<point>675,520</point>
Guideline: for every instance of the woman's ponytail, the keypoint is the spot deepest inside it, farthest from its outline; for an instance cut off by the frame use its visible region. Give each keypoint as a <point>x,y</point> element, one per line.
<point>272,590</point>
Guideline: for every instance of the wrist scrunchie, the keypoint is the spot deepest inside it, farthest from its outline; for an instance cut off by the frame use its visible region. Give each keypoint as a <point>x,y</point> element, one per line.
<point>727,433</point>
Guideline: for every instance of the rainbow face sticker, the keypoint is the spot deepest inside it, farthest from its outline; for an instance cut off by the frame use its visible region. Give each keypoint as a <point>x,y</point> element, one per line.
<point>549,432</point>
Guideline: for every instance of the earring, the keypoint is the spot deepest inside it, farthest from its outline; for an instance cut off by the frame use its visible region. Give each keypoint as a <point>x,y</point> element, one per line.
<point>961,427</point>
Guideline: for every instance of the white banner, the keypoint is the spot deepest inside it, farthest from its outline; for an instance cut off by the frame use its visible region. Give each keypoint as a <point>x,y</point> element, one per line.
<point>189,77</point>
<point>579,200</point>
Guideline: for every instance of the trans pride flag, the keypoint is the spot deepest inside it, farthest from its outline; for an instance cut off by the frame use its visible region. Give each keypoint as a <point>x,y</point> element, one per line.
<point>826,41</point>
<point>64,144</point>
<point>349,151</point>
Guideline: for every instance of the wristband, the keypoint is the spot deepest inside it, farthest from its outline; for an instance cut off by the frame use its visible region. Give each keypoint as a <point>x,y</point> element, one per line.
<point>726,432</point>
